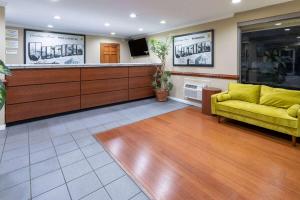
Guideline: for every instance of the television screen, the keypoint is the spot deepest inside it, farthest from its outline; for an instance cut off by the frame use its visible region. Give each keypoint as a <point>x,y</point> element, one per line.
<point>138,47</point>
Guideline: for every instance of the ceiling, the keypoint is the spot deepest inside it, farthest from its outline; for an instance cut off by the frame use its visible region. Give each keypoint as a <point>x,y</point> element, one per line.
<point>89,16</point>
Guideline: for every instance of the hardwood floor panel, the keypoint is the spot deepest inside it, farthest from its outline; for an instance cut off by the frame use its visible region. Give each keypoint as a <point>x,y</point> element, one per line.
<point>187,155</point>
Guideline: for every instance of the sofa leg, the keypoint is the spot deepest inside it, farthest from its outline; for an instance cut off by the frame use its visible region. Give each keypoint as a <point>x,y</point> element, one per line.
<point>294,141</point>
<point>219,119</point>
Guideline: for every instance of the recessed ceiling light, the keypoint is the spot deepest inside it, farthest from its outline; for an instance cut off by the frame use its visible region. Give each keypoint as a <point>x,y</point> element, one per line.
<point>57,17</point>
<point>236,1</point>
<point>113,33</point>
<point>141,29</point>
<point>107,24</point>
<point>298,37</point>
<point>287,29</point>
<point>55,0</point>
<point>163,22</point>
<point>278,24</point>
<point>132,15</point>
<point>50,26</point>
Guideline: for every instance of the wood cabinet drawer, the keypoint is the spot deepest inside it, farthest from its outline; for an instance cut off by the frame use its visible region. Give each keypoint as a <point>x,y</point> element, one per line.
<point>21,94</point>
<point>139,93</point>
<point>141,71</point>
<point>98,86</point>
<point>93,100</point>
<point>30,110</point>
<point>138,82</point>
<point>42,76</point>
<point>104,73</point>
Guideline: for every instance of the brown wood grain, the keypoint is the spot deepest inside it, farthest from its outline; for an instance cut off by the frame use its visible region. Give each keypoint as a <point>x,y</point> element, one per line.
<point>109,53</point>
<point>207,92</point>
<point>22,111</point>
<point>21,94</point>
<point>188,155</point>
<point>105,98</point>
<point>206,75</point>
<point>42,76</point>
<point>143,81</point>
<point>99,86</point>
<point>142,71</point>
<point>139,93</point>
<point>103,73</point>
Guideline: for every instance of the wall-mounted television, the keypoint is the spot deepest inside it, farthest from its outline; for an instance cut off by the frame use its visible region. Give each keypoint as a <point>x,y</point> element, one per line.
<point>138,47</point>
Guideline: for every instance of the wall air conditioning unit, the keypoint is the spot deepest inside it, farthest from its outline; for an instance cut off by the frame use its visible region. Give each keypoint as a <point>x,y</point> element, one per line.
<point>193,90</point>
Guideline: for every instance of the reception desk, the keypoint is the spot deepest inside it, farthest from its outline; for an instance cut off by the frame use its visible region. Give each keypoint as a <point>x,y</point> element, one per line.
<point>41,90</point>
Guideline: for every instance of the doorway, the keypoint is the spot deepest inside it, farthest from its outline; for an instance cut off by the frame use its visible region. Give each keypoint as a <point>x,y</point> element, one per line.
<point>109,53</point>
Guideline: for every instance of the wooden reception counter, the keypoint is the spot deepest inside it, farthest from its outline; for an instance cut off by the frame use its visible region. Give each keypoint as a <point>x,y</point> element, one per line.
<point>42,90</point>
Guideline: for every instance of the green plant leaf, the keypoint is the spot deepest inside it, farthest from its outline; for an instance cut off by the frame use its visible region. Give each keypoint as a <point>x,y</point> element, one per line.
<point>4,69</point>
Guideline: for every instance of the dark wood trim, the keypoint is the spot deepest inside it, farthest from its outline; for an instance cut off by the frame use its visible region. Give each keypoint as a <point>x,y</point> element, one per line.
<point>206,75</point>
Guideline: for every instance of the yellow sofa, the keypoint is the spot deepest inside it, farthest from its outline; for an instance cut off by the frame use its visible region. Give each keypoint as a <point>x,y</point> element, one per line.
<point>272,108</point>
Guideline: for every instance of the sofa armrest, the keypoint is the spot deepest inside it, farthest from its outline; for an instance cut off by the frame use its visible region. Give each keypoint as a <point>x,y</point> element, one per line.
<point>214,101</point>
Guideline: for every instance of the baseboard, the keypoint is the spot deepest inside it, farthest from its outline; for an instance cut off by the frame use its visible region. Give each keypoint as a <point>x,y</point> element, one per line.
<point>186,102</point>
<point>2,127</point>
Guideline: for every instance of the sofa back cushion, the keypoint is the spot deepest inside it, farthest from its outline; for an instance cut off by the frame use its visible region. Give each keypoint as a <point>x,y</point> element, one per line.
<point>244,92</point>
<point>278,97</point>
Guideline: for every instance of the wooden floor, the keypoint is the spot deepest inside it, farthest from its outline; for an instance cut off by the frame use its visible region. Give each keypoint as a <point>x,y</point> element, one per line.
<point>185,155</point>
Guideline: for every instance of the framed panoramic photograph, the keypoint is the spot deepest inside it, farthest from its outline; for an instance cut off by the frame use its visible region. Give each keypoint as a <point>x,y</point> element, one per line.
<point>42,47</point>
<point>194,49</point>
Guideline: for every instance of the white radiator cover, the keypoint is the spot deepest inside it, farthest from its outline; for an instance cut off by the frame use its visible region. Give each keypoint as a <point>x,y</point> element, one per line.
<point>193,90</point>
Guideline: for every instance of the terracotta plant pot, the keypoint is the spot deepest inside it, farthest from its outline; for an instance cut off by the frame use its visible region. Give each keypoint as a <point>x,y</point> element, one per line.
<point>162,95</point>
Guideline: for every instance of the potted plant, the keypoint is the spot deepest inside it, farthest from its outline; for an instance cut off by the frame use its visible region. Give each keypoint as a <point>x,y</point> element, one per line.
<point>162,78</point>
<point>3,70</point>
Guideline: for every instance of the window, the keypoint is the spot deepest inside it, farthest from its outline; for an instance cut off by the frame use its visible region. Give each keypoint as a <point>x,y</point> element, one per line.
<point>270,54</point>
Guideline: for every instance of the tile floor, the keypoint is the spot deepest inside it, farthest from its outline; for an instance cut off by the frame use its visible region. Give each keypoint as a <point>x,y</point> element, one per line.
<point>58,158</point>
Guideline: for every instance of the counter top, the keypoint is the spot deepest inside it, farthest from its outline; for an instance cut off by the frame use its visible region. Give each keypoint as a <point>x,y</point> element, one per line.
<point>47,66</point>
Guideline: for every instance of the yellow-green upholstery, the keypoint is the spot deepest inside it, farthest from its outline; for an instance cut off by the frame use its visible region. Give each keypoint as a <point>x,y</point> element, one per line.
<point>244,92</point>
<point>276,113</point>
<point>278,97</point>
<point>293,110</point>
<point>223,97</point>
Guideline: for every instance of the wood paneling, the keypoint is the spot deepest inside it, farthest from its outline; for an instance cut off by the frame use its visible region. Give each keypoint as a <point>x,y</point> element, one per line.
<point>141,71</point>
<point>137,82</point>
<point>98,86</point>
<point>93,100</point>
<point>21,94</point>
<point>104,73</point>
<point>218,76</point>
<point>186,155</point>
<point>30,110</point>
<point>139,93</point>
<point>42,76</point>
<point>94,87</point>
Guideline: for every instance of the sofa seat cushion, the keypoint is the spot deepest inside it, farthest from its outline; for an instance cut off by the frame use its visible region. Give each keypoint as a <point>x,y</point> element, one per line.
<point>278,116</point>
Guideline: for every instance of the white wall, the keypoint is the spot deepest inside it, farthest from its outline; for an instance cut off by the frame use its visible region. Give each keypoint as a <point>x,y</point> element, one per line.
<point>226,46</point>
<point>93,48</point>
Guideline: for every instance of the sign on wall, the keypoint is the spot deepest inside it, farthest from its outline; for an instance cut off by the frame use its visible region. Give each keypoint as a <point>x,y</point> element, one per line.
<point>54,48</point>
<point>194,49</point>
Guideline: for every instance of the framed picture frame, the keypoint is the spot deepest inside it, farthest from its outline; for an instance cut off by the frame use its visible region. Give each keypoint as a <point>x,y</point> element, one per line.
<point>194,49</point>
<point>47,47</point>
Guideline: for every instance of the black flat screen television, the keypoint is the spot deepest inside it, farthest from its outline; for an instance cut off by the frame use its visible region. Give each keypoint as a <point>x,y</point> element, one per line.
<point>138,47</point>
